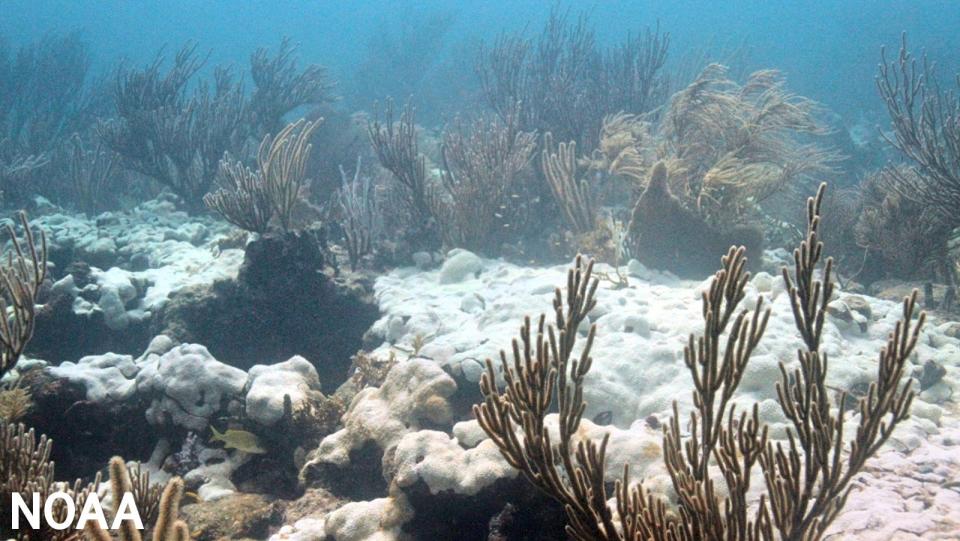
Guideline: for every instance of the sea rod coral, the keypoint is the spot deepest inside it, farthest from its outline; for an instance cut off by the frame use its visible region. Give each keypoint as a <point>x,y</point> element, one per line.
<point>21,276</point>
<point>711,458</point>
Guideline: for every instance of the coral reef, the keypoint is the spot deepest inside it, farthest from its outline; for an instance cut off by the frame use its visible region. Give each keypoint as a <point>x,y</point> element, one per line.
<point>806,480</point>
<point>730,145</point>
<point>117,271</point>
<point>93,178</point>
<point>280,87</point>
<point>571,194</point>
<point>924,120</point>
<point>45,98</point>
<point>413,396</point>
<point>170,134</point>
<point>15,402</point>
<point>25,468</point>
<point>286,307</point>
<point>178,136</point>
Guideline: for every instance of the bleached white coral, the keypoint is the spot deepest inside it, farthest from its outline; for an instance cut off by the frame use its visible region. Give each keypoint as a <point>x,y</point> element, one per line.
<point>443,464</point>
<point>413,395</point>
<point>188,385</point>
<point>270,383</point>
<point>375,520</point>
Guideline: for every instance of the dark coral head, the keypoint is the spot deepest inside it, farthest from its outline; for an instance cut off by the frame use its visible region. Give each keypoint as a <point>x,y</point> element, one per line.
<point>658,176</point>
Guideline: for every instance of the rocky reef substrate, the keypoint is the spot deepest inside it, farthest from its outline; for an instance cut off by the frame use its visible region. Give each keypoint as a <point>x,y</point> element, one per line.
<point>407,461</point>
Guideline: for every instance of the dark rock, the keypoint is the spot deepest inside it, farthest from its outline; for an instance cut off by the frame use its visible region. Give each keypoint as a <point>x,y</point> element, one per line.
<point>896,290</point>
<point>665,235</point>
<point>860,305</point>
<point>447,515</point>
<point>931,374</point>
<point>952,329</point>
<point>60,334</point>
<point>139,262</point>
<point>287,300</point>
<point>272,474</point>
<point>80,271</point>
<point>85,434</point>
<point>314,503</point>
<point>358,480</point>
<point>236,516</point>
<point>501,523</point>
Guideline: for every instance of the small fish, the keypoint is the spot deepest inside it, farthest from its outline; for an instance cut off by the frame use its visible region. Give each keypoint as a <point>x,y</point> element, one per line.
<point>241,440</point>
<point>603,418</point>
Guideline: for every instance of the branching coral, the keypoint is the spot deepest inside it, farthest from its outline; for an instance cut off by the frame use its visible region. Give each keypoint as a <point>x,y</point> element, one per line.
<point>359,214</point>
<point>910,237</point>
<point>716,372</point>
<point>146,495</point>
<point>16,168</point>
<point>21,276</point>
<point>565,83</point>
<point>25,468</point>
<point>481,162</point>
<point>167,527</point>
<point>250,199</point>
<point>282,161</point>
<point>170,135</point>
<point>730,146</point>
<point>15,402</point>
<point>631,73</point>
<point>727,148</point>
<point>926,130</point>
<point>92,173</point>
<point>571,193</point>
<point>535,379</point>
<point>807,478</point>
<point>280,87</point>
<point>44,98</point>
<point>622,143</point>
<point>242,197</point>
<point>395,145</point>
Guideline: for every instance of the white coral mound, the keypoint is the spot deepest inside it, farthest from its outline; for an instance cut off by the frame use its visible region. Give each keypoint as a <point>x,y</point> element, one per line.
<point>413,395</point>
<point>189,385</point>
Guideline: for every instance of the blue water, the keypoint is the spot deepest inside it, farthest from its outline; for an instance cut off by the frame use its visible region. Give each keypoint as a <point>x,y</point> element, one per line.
<point>828,49</point>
